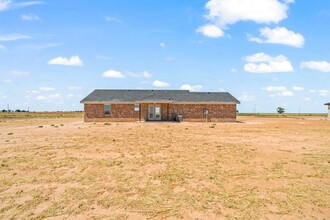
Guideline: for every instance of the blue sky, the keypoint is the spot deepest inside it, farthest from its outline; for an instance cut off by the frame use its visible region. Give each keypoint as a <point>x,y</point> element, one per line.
<point>267,53</point>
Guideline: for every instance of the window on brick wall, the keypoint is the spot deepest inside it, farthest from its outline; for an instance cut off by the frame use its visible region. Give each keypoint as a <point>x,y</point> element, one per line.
<point>107,109</point>
<point>136,107</point>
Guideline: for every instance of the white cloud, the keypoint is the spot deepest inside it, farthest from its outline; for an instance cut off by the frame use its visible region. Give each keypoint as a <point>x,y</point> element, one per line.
<point>210,30</point>
<point>279,35</point>
<point>286,93</point>
<point>17,73</point>
<point>112,19</point>
<point>72,61</point>
<point>144,74</point>
<point>222,13</point>
<point>74,88</point>
<point>262,57</point>
<point>233,70</point>
<point>191,88</point>
<point>263,63</point>
<point>50,98</point>
<point>2,47</point>
<point>162,45</point>
<point>322,66</point>
<point>282,91</point>
<point>46,89</point>
<point>30,17</point>
<point>113,74</point>
<point>247,98</point>
<point>7,81</point>
<point>297,88</point>
<point>307,98</point>
<point>320,92</point>
<point>5,4</point>
<point>323,92</point>
<point>275,88</point>
<point>13,37</point>
<point>30,3</point>
<point>158,83</point>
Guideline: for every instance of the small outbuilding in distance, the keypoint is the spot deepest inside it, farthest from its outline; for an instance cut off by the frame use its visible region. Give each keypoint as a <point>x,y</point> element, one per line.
<point>328,104</point>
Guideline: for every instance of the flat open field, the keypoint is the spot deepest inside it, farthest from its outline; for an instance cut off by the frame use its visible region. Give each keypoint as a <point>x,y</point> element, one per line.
<point>267,168</point>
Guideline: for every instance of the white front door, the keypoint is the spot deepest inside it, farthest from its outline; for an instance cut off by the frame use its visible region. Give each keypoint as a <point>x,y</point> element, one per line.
<point>154,113</point>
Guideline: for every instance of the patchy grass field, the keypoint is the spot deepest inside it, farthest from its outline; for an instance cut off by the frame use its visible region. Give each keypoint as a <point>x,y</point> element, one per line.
<point>267,168</point>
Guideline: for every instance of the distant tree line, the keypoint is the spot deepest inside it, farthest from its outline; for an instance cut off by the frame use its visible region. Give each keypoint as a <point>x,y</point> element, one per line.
<point>17,110</point>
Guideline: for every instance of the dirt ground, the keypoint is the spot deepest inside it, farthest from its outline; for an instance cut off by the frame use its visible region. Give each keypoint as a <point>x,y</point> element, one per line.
<point>260,168</point>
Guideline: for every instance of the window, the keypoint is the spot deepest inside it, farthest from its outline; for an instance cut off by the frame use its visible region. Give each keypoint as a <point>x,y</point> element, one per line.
<point>136,107</point>
<point>107,109</point>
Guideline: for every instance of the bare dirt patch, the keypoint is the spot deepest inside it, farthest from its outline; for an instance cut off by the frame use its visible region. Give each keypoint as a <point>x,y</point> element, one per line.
<point>266,168</point>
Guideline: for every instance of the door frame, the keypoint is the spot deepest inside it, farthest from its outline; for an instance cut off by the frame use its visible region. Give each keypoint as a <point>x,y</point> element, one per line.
<point>154,118</point>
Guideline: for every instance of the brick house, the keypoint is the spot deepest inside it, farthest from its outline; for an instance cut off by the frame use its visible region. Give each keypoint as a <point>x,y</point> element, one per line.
<point>159,105</point>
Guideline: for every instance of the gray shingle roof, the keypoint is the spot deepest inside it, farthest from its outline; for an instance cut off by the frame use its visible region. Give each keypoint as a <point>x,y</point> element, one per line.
<point>103,95</point>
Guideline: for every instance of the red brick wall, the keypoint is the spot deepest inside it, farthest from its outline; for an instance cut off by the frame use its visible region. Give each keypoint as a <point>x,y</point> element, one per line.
<point>190,112</point>
<point>119,112</point>
<point>195,112</point>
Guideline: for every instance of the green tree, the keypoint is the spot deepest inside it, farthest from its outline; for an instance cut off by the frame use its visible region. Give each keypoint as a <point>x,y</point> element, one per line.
<point>280,110</point>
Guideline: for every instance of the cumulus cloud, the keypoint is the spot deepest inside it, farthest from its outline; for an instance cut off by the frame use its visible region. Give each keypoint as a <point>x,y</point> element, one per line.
<point>263,63</point>
<point>286,93</point>
<point>72,61</point>
<point>297,88</point>
<point>50,98</point>
<point>30,3</point>
<point>275,88</point>
<point>281,91</point>
<point>144,74</point>
<point>30,17</point>
<point>5,4</point>
<point>74,88</point>
<point>279,35</point>
<point>158,83</point>
<point>210,30</point>
<point>320,92</point>
<point>247,98</point>
<point>162,45</point>
<point>113,74</point>
<point>222,13</point>
<point>7,81</point>
<point>191,88</point>
<point>322,66</point>
<point>46,89</point>
<point>13,37</point>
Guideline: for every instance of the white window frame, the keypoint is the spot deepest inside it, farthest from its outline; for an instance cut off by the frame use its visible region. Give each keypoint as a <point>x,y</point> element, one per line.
<point>136,107</point>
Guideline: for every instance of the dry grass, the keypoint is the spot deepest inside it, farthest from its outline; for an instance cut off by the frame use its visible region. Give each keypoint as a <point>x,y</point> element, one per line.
<point>263,168</point>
